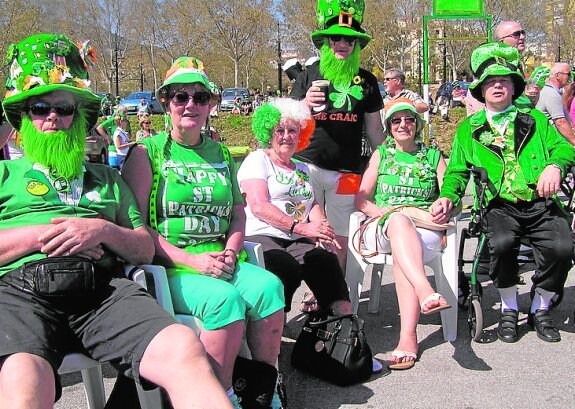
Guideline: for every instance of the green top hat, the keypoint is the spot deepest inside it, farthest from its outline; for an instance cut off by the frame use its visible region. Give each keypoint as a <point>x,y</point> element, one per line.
<point>44,63</point>
<point>185,70</point>
<point>340,18</point>
<point>492,60</point>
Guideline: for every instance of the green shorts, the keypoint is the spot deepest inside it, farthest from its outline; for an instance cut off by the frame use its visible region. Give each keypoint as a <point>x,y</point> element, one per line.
<point>252,294</point>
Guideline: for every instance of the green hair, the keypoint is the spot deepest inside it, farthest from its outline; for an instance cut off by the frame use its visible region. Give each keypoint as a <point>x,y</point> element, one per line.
<point>264,120</point>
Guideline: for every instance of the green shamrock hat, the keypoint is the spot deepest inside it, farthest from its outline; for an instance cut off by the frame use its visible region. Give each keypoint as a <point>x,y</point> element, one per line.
<point>340,18</point>
<point>44,63</point>
<point>540,75</point>
<point>185,70</point>
<point>495,59</point>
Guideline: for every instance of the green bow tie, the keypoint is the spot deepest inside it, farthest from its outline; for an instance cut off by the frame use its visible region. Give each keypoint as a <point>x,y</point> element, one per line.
<point>501,117</point>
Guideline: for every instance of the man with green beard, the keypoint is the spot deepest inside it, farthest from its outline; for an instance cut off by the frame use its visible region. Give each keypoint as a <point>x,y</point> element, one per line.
<point>65,227</point>
<point>352,102</point>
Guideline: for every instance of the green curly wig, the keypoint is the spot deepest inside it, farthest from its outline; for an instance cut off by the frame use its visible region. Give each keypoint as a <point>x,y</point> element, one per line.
<point>264,120</point>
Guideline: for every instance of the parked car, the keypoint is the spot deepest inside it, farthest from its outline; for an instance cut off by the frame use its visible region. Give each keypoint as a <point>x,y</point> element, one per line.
<point>131,102</point>
<point>96,147</point>
<point>230,94</point>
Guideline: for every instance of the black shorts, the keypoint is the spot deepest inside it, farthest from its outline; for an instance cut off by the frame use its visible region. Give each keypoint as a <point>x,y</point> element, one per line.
<point>116,325</point>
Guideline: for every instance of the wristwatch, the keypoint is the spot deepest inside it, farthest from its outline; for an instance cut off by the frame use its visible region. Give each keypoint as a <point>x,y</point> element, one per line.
<point>236,255</point>
<point>295,222</point>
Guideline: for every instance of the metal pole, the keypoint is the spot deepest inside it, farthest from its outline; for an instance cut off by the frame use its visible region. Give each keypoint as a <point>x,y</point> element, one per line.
<point>116,65</point>
<point>279,60</point>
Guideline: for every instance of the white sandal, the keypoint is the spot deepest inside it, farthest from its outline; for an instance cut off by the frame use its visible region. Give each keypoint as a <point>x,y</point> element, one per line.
<point>434,297</point>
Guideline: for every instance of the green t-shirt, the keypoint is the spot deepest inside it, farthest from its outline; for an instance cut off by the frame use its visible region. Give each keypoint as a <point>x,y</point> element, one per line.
<point>196,192</point>
<point>28,197</point>
<point>407,178</point>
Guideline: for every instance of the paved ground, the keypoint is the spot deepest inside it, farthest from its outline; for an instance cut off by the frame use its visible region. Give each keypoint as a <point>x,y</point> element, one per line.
<point>462,374</point>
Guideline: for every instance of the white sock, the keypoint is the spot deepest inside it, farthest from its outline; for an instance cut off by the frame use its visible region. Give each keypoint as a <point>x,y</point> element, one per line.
<point>541,300</point>
<point>508,298</point>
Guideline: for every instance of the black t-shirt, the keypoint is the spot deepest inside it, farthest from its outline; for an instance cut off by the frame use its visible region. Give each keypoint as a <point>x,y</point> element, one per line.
<point>336,143</point>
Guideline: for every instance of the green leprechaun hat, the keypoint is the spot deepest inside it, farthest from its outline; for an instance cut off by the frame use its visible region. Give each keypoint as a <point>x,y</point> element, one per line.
<point>540,75</point>
<point>493,60</point>
<point>340,18</point>
<point>44,63</point>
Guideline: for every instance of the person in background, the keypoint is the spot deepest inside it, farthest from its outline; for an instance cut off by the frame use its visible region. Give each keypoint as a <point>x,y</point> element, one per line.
<point>145,130</point>
<point>187,184</point>
<point>525,158</point>
<point>394,82</point>
<point>108,126</point>
<point>143,108</point>
<point>404,164</point>
<point>511,33</point>
<point>60,211</point>
<point>551,100</point>
<point>121,139</point>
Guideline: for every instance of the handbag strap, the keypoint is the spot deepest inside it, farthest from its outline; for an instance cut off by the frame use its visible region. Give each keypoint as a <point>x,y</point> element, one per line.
<point>332,319</point>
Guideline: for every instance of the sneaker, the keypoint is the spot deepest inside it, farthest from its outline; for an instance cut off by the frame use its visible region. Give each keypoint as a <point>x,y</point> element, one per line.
<point>376,366</point>
<point>276,401</point>
<point>235,401</point>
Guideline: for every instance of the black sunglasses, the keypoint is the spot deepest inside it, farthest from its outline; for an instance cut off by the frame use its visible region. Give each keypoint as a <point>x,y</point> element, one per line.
<point>43,109</point>
<point>389,79</point>
<point>348,40</point>
<point>397,120</point>
<point>515,34</point>
<point>199,98</point>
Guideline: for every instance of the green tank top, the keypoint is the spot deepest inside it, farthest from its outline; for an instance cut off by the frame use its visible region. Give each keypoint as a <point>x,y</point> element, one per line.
<point>407,178</point>
<point>196,192</point>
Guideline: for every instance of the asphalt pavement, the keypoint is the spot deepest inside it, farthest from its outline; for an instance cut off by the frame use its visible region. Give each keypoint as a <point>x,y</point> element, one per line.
<point>463,374</point>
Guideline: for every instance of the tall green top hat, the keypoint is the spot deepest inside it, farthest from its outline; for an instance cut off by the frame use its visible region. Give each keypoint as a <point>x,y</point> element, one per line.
<point>340,18</point>
<point>44,63</point>
<point>493,60</point>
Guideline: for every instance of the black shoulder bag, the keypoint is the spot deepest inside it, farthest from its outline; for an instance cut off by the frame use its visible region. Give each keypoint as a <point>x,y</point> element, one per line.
<point>333,348</point>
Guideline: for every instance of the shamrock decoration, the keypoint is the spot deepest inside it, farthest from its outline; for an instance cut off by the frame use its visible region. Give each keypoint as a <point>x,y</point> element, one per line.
<point>295,209</point>
<point>345,91</point>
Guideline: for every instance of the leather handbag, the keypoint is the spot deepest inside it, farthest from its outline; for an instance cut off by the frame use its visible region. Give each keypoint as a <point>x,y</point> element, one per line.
<point>333,348</point>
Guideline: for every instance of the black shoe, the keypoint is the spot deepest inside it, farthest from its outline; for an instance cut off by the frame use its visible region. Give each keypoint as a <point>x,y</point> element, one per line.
<point>542,322</point>
<point>507,329</point>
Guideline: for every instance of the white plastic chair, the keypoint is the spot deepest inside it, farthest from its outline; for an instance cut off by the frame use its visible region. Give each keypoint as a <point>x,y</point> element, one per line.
<point>91,377</point>
<point>444,267</point>
<point>152,399</point>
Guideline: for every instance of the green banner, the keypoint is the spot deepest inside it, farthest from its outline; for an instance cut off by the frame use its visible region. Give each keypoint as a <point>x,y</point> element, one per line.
<point>457,7</point>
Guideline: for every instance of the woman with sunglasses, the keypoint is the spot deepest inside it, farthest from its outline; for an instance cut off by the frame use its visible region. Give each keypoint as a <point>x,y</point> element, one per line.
<point>145,130</point>
<point>187,184</point>
<point>404,172</point>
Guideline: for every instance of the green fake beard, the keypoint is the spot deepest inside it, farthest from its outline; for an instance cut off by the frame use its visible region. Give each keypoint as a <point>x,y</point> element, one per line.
<point>62,152</point>
<point>339,71</point>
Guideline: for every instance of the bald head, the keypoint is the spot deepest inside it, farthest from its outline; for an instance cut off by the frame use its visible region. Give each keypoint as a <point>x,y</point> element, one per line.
<point>560,74</point>
<point>509,32</point>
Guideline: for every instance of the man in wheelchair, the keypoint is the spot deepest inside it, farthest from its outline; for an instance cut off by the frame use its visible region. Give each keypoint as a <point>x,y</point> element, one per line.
<point>525,158</point>
<point>64,225</point>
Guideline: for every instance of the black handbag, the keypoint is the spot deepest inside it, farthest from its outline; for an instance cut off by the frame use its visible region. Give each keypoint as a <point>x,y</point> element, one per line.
<point>333,348</point>
<point>255,383</point>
